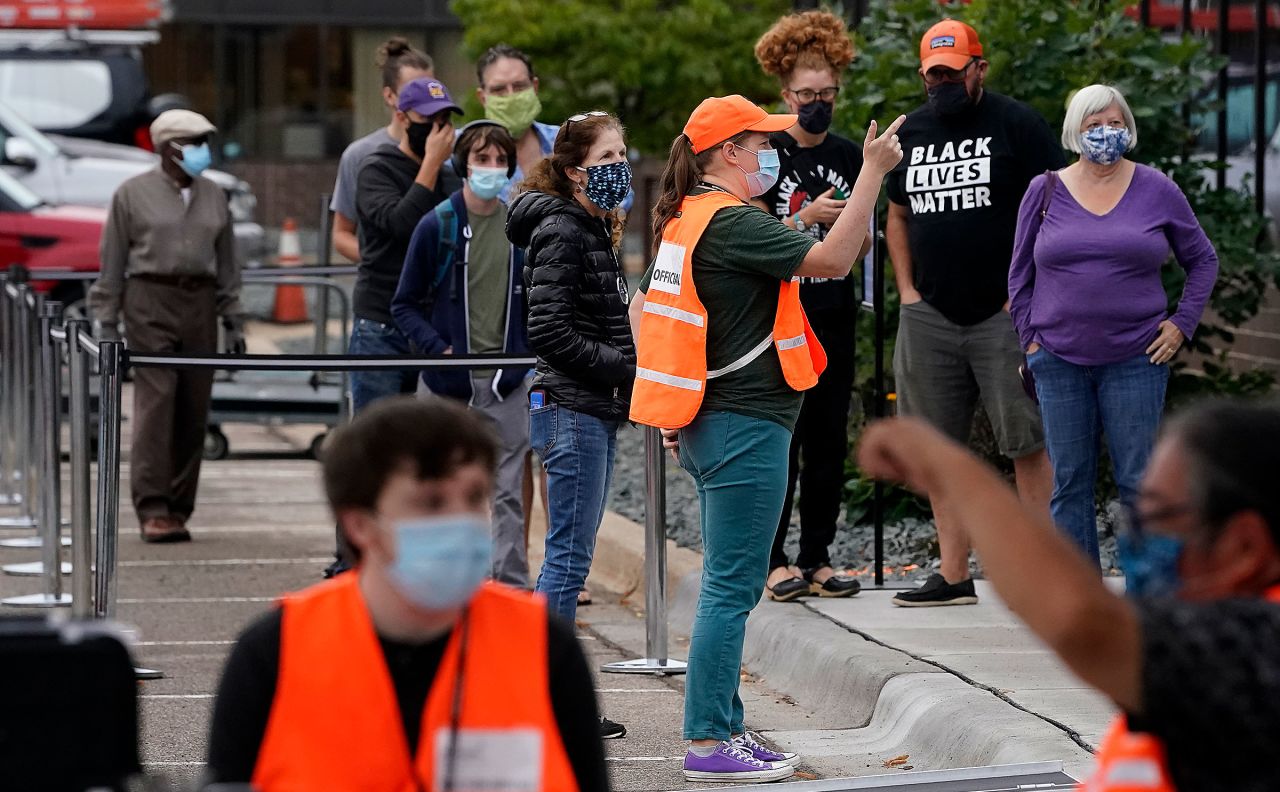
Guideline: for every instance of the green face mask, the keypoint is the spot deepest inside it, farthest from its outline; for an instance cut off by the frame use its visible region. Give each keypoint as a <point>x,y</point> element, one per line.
<point>516,111</point>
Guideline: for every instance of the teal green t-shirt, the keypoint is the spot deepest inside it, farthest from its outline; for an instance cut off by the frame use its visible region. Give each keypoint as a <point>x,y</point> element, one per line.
<point>738,265</point>
<point>488,281</point>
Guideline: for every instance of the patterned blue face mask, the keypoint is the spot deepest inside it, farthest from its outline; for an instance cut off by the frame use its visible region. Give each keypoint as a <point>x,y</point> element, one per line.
<point>1105,145</point>
<point>608,185</point>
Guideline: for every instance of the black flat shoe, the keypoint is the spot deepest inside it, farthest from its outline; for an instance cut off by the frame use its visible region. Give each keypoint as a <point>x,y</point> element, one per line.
<point>835,586</point>
<point>792,588</point>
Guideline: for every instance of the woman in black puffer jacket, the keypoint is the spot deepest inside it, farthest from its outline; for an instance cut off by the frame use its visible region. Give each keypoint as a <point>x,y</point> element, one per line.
<point>565,218</point>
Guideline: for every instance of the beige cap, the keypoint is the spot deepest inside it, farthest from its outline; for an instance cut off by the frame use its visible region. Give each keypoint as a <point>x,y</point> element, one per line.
<point>177,124</point>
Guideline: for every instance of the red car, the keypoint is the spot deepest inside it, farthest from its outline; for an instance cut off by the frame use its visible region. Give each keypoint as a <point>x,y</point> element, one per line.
<point>43,237</point>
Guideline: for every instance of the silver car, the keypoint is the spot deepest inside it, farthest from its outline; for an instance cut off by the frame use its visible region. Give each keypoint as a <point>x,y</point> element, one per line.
<point>65,170</point>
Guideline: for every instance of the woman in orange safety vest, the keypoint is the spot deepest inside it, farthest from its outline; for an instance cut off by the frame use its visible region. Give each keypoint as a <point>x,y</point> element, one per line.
<point>1192,656</point>
<point>724,353</point>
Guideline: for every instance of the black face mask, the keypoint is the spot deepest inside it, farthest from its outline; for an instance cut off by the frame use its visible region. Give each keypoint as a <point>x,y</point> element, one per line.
<point>417,135</point>
<point>949,98</point>
<point>815,117</point>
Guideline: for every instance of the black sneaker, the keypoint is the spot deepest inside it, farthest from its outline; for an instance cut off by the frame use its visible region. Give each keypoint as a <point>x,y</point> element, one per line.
<point>610,730</point>
<point>937,591</point>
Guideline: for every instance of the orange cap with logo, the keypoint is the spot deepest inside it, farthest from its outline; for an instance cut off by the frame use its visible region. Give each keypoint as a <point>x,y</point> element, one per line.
<point>721,117</point>
<point>950,44</point>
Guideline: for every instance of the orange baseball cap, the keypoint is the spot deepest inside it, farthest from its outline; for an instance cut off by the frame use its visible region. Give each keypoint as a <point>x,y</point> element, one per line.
<point>949,43</point>
<point>721,117</point>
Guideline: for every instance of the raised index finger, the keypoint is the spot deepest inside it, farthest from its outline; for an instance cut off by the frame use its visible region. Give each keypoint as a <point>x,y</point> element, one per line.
<point>893,128</point>
<point>871,132</point>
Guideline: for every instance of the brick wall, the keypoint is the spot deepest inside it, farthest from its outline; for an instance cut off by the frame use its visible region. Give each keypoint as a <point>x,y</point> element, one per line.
<point>288,189</point>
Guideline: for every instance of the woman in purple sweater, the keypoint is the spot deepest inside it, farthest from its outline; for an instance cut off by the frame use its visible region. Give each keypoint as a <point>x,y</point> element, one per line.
<point>1089,307</point>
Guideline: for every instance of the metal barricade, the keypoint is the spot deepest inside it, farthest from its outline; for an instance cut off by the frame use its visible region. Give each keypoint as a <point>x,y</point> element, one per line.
<point>18,362</point>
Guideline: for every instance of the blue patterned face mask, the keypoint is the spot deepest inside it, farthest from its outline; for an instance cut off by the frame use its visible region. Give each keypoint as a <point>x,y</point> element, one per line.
<point>608,185</point>
<point>1105,145</point>
<point>1149,560</point>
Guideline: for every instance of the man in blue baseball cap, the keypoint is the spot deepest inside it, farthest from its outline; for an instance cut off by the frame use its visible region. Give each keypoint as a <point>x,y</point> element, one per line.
<point>396,186</point>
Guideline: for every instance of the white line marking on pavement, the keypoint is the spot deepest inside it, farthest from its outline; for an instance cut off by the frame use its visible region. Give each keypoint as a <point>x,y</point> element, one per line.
<point>173,764</point>
<point>643,758</point>
<point>183,643</point>
<point>189,600</point>
<point>636,690</point>
<point>267,529</point>
<point>161,562</point>
<point>176,696</point>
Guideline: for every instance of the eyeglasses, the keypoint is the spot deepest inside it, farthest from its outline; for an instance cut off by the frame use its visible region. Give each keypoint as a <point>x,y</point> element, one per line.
<point>938,75</point>
<point>807,95</point>
<point>573,119</point>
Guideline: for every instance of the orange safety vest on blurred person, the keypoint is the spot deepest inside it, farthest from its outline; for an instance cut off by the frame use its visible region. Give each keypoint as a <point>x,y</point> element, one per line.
<point>671,349</point>
<point>335,722</point>
<point>1135,761</point>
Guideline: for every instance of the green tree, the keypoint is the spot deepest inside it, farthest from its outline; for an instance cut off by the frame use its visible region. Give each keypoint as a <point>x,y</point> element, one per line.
<point>650,61</point>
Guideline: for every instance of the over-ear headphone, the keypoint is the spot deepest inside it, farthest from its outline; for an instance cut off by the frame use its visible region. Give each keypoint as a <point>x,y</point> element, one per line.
<point>460,162</point>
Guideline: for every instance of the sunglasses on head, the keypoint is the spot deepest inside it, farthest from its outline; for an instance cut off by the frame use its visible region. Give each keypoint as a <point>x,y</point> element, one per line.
<point>584,116</point>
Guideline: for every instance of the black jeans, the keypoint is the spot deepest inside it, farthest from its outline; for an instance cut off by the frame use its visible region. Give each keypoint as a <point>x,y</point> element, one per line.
<point>819,448</point>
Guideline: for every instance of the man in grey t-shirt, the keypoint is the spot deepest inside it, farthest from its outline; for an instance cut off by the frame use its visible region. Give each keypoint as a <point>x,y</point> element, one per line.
<point>400,64</point>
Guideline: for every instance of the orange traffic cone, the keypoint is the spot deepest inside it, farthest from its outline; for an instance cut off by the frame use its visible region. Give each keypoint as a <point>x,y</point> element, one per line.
<point>291,301</point>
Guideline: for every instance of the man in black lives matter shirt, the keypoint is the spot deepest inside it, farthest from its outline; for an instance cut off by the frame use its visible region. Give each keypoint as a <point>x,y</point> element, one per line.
<point>968,155</point>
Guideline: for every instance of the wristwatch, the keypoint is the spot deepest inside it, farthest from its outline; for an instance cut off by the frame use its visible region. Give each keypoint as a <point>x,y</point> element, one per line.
<point>800,226</point>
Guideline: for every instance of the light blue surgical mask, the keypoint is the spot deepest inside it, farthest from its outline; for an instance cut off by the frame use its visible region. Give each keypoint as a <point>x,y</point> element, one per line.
<point>762,181</point>
<point>441,561</point>
<point>196,158</point>
<point>487,183</point>
<point>1105,145</point>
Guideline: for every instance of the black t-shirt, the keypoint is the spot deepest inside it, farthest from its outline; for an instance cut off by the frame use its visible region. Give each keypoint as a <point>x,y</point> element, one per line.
<point>248,688</point>
<point>962,179</point>
<point>1211,691</point>
<point>806,173</point>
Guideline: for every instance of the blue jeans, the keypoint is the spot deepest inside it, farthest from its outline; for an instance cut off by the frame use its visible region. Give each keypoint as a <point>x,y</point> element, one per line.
<point>1079,404</point>
<point>576,450</point>
<point>738,464</point>
<point>374,338</point>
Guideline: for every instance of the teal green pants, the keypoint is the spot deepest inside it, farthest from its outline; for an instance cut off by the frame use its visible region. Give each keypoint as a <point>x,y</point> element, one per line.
<point>739,465</point>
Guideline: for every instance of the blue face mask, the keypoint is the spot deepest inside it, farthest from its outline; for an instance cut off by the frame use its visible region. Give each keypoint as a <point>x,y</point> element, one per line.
<point>441,561</point>
<point>1149,561</point>
<point>608,185</point>
<point>487,183</point>
<point>1105,145</point>
<point>196,159</point>
<point>762,181</point>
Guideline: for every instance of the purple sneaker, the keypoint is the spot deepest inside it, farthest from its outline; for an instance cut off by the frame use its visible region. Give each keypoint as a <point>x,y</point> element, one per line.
<point>751,741</point>
<point>732,764</point>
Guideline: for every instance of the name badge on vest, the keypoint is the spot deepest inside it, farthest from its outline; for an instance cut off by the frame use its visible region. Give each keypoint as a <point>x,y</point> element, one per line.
<point>668,266</point>
<point>490,760</point>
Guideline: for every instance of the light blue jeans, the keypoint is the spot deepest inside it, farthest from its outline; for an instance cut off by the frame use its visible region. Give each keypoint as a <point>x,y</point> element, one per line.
<point>1079,404</point>
<point>739,466</point>
<point>576,450</point>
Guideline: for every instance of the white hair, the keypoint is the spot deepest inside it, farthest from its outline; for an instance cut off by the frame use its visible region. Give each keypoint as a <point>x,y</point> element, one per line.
<point>1094,99</point>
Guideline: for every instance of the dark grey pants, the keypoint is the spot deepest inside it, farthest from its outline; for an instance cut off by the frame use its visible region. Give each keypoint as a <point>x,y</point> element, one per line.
<point>170,406</point>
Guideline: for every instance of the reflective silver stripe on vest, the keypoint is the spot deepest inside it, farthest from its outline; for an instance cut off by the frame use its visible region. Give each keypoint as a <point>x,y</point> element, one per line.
<point>668,379</point>
<point>790,343</point>
<point>668,311</point>
<point>1132,773</point>
<point>745,359</point>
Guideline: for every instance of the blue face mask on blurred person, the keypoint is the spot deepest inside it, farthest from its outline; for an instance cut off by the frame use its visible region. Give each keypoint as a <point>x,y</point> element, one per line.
<point>196,158</point>
<point>1105,145</point>
<point>1149,561</point>
<point>608,184</point>
<point>762,181</point>
<point>441,561</point>
<point>487,183</point>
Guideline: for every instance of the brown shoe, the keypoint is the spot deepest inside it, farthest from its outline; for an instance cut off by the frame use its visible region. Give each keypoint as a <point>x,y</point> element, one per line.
<point>158,530</point>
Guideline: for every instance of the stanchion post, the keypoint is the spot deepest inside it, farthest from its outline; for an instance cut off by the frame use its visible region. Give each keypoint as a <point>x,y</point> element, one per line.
<point>9,495</point>
<point>81,504</point>
<point>19,405</point>
<point>110,365</point>
<point>48,402</point>
<point>323,259</point>
<point>29,362</point>
<point>655,660</point>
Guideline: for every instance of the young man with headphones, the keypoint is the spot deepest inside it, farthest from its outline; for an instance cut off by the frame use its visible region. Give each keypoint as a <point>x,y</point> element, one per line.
<point>461,292</point>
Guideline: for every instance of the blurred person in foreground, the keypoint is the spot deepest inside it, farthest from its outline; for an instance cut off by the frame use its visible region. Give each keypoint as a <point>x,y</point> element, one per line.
<point>1193,657</point>
<point>411,672</point>
<point>169,271</point>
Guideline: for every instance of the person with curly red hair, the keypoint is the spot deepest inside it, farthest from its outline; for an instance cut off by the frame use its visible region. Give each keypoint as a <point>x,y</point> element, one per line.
<point>808,52</point>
